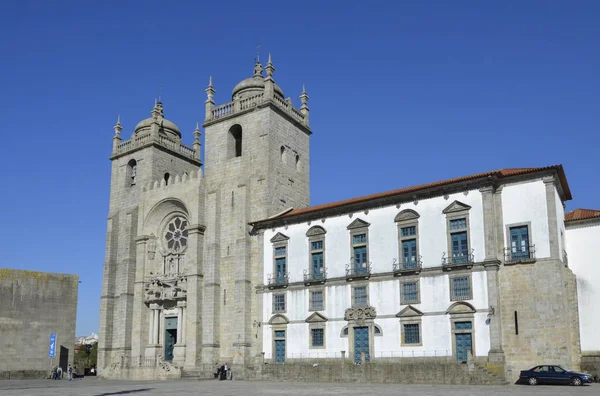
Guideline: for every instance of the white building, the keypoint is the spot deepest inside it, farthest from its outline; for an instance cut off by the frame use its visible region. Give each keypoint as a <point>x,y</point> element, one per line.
<point>433,270</point>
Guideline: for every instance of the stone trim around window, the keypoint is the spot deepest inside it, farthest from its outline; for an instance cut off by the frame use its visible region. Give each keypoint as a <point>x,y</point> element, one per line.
<point>411,321</point>
<point>354,286</point>
<point>405,281</point>
<point>451,278</point>
<point>508,240</point>
<point>407,218</point>
<point>316,321</point>
<point>316,237</point>
<point>279,240</point>
<point>310,299</point>
<point>457,210</point>
<point>358,227</point>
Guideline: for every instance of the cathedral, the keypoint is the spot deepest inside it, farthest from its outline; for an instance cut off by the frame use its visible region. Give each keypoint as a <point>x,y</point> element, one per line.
<point>225,261</point>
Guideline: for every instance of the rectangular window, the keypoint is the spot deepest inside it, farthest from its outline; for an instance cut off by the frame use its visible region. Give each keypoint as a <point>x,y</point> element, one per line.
<point>316,300</point>
<point>461,288</point>
<point>411,334</point>
<point>458,224</point>
<point>317,337</point>
<point>317,265</point>
<point>463,325</point>
<point>408,231</point>
<point>279,333</point>
<point>278,303</point>
<point>280,251</point>
<point>360,296</point>
<point>359,238</point>
<point>519,243</point>
<point>280,254</point>
<point>316,245</point>
<point>410,294</point>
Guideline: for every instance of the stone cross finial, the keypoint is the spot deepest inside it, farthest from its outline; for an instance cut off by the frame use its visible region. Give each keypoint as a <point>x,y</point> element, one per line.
<point>118,127</point>
<point>270,69</point>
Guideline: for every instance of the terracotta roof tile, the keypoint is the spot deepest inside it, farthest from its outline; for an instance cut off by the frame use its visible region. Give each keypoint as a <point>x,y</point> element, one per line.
<point>582,214</point>
<point>499,174</point>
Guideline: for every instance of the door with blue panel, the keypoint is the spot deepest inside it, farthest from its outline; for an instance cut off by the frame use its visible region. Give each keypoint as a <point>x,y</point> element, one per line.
<point>280,269</point>
<point>519,242</point>
<point>409,253</point>
<point>360,259</point>
<point>317,265</point>
<point>361,343</point>
<point>463,340</point>
<point>170,337</point>
<point>460,248</point>
<point>279,336</point>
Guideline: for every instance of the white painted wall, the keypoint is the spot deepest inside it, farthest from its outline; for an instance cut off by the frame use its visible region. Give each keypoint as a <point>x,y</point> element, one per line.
<point>383,237</point>
<point>583,248</point>
<point>526,202</point>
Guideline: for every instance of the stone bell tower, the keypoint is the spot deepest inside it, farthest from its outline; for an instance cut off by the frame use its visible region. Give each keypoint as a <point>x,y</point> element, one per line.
<point>153,153</point>
<point>256,165</point>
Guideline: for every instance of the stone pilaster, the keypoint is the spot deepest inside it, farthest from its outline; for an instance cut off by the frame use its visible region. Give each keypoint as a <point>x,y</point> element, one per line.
<point>496,353</point>
<point>212,286</point>
<point>499,223</point>
<point>192,313</point>
<point>179,351</point>
<point>552,221</point>
<point>138,335</point>
<point>489,222</point>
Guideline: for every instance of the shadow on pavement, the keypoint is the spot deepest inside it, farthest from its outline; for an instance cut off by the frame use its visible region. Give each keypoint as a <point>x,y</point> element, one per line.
<point>124,392</point>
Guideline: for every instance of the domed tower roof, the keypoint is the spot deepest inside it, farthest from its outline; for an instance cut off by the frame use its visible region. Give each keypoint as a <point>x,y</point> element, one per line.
<point>253,85</point>
<point>165,126</point>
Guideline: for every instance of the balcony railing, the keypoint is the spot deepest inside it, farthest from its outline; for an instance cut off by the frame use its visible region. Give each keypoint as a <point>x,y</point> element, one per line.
<point>407,265</point>
<point>460,259</point>
<point>512,256</point>
<point>315,277</point>
<point>358,270</point>
<point>278,280</point>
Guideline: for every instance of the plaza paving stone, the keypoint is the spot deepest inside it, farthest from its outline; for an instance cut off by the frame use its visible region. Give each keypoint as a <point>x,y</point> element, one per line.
<point>97,387</point>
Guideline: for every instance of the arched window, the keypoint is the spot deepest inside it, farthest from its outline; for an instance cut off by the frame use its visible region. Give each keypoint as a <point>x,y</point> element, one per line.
<point>297,162</point>
<point>282,150</point>
<point>131,172</point>
<point>234,146</point>
<point>167,175</point>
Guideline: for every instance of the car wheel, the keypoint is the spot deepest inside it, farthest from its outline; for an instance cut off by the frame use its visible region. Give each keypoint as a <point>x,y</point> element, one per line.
<point>532,381</point>
<point>576,381</point>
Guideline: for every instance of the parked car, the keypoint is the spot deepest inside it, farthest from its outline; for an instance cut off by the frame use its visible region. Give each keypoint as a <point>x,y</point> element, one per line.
<point>553,375</point>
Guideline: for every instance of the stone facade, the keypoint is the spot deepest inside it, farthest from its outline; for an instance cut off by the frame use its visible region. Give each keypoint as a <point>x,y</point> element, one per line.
<point>181,266</point>
<point>34,306</point>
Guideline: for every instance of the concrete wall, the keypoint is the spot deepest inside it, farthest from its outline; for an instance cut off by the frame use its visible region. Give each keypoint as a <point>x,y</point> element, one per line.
<point>35,305</point>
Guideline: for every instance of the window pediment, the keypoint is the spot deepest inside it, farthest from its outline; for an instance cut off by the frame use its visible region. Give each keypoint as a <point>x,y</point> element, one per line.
<point>315,230</point>
<point>409,312</point>
<point>316,318</point>
<point>456,206</point>
<point>279,319</point>
<point>407,214</point>
<point>461,307</point>
<point>358,223</point>
<point>279,237</point>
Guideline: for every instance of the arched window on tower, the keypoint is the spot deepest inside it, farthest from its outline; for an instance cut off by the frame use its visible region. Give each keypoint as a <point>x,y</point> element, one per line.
<point>131,172</point>
<point>297,162</point>
<point>282,150</point>
<point>167,175</point>
<point>234,146</point>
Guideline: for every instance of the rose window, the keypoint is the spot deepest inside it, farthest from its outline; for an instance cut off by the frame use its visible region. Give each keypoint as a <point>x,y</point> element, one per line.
<point>176,234</point>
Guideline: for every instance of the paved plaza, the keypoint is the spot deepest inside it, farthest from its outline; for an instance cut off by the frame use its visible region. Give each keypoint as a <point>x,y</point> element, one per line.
<point>96,387</point>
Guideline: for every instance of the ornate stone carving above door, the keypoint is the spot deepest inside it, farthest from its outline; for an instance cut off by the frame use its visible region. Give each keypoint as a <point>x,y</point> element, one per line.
<point>360,314</point>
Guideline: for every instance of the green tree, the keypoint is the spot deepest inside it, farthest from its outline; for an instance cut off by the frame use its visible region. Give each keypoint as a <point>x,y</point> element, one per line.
<point>87,356</point>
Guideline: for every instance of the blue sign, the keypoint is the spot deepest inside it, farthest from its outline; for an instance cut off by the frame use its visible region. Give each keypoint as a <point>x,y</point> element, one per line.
<point>52,349</point>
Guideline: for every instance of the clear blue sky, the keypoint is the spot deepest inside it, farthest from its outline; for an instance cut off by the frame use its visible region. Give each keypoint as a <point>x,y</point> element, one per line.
<point>401,93</point>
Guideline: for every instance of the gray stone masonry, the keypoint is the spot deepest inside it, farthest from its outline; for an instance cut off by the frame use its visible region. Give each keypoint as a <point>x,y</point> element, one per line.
<point>35,305</point>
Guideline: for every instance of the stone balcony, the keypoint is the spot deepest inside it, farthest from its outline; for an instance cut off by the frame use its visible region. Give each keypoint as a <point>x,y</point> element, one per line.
<point>148,139</point>
<point>243,105</point>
